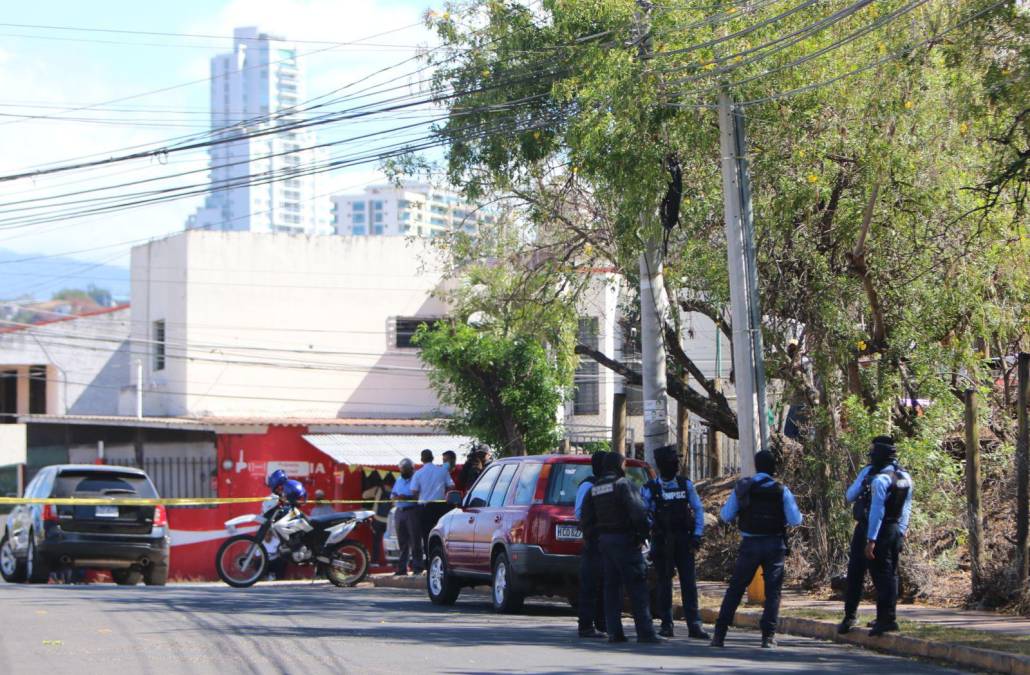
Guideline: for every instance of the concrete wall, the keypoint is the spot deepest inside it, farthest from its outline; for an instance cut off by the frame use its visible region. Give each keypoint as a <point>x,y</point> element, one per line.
<point>87,361</point>
<point>12,444</point>
<point>283,325</point>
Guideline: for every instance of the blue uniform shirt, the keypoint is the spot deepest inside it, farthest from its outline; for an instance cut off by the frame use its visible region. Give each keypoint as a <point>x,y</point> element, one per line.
<point>581,494</point>
<point>881,482</point>
<point>790,506</point>
<point>651,504</point>
<point>402,488</point>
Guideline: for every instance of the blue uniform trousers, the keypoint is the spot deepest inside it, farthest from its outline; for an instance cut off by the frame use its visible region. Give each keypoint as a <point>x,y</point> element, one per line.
<point>767,551</point>
<point>674,554</point>
<point>624,566</point>
<point>591,587</point>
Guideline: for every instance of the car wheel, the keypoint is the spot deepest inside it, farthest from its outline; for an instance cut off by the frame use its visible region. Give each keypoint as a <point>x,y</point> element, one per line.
<point>155,575</point>
<point>12,569</point>
<point>442,586</point>
<point>129,577</point>
<point>37,571</point>
<point>505,600</point>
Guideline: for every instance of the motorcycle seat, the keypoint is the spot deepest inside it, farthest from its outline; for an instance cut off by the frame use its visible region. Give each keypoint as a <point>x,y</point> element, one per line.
<point>332,518</point>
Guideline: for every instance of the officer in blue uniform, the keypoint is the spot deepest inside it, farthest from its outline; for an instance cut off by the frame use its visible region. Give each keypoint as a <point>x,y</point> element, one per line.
<point>677,524</point>
<point>613,512</point>
<point>591,565</point>
<point>882,498</point>
<point>763,509</point>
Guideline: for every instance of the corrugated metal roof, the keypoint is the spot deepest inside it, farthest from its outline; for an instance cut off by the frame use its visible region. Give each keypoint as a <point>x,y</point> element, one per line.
<point>227,424</point>
<point>384,449</point>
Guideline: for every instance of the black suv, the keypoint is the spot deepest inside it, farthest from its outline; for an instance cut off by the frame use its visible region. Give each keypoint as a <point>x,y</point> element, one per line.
<point>130,541</point>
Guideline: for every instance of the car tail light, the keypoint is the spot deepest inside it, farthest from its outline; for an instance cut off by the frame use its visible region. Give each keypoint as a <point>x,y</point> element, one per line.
<point>160,516</point>
<point>49,513</point>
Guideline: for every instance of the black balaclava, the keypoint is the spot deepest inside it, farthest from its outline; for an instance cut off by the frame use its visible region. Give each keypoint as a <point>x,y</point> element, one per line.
<point>597,462</point>
<point>882,452</point>
<point>667,461</point>
<point>613,462</point>
<point>765,462</point>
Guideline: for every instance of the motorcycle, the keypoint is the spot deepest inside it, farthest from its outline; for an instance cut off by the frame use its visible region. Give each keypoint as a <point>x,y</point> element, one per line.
<point>243,559</point>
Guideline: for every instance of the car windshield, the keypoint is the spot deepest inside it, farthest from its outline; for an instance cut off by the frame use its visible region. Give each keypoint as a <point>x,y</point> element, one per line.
<point>565,480</point>
<point>93,483</point>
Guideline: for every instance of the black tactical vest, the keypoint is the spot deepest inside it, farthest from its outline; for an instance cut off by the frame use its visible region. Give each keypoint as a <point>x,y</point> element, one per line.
<point>761,507</point>
<point>894,501</point>
<point>673,513</point>
<point>612,515</point>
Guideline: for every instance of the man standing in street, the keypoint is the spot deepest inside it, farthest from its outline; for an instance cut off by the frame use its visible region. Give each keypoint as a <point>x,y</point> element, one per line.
<point>882,497</point>
<point>591,564</point>
<point>430,485</point>
<point>409,525</point>
<point>614,514</point>
<point>763,509</point>
<point>677,524</point>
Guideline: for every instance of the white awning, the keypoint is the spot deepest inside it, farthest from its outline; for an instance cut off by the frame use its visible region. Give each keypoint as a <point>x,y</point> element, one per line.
<point>385,449</point>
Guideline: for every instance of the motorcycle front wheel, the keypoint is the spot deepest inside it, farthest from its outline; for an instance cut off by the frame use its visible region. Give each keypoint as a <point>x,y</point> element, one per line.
<point>348,564</point>
<point>241,561</point>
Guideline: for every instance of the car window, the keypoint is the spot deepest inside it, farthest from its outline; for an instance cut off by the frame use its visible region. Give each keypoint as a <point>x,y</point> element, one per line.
<point>637,475</point>
<point>526,486</point>
<point>30,489</point>
<point>565,480</point>
<point>112,484</point>
<point>481,490</point>
<point>46,483</point>
<point>503,483</point>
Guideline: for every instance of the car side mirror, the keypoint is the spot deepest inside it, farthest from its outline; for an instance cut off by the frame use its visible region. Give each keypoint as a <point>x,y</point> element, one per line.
<point>477,503</point>
<point>454,499</point>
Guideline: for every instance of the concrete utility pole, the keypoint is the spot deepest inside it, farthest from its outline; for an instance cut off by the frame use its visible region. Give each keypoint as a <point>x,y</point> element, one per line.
<point>653,304</point>
<point>748,365</point>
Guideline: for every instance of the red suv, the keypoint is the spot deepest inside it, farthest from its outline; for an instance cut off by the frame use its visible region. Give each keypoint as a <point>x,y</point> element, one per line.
<point>515,530</point>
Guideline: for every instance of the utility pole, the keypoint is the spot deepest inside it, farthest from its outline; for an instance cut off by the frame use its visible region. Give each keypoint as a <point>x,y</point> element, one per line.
<point>748,366</point>
<point>974,505</point>
<point>1023,469</point>
<point>139,388</point>
<point>653,303</point>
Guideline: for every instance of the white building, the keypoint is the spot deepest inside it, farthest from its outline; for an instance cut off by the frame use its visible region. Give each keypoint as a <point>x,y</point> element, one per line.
<point>413,209</point>
<point>257,182</point>
<point>279,325</point>
<point>74,365</point>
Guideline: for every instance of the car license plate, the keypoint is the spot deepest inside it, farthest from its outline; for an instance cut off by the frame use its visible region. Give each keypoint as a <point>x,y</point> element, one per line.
<point>567,532</point>
<point>107,512</point>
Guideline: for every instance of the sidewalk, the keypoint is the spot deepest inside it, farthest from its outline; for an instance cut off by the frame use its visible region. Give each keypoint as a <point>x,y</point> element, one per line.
<point>991,622</point>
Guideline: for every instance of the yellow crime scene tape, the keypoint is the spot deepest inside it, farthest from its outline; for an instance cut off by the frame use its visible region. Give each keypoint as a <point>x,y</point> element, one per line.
<point>186,501</point>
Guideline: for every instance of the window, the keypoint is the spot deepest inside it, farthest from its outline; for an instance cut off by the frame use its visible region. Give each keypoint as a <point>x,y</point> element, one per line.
<point>378,229</point>
<point>8,397</point>
<point>377,206</point>
<point>503,483</point>
<point>159,345</point>
<point>526,486</point>
<point>358,231</point>
<point>378,217</point>
<point>481,490</point>
<point>565,480</point>
<point>406,328</point>
<point>357,206</point>
<point>359,218</point>
<point>587,399</point>
<point>37,390</point>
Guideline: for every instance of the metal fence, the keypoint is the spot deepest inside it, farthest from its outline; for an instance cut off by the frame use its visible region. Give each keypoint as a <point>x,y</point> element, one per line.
<point>701,463</point>
<point>178,477</point>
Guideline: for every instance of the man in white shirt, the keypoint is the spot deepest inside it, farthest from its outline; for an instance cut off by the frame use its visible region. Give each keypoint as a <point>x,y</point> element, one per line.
<point>430,485</point>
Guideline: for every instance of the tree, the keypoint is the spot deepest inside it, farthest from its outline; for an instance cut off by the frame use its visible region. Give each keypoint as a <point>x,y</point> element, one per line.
<point>506,389</point>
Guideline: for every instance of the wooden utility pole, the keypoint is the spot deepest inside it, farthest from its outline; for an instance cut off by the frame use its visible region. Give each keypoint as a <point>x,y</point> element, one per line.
<point>619,422</point>
<point>1023,469</point>
<point>974,507</point>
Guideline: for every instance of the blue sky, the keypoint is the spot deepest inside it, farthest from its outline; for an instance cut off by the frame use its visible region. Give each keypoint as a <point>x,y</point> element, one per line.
<point>44,70</point>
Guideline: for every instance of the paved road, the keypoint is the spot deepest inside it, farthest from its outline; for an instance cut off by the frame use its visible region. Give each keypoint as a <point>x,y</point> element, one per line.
<point>309,629</point>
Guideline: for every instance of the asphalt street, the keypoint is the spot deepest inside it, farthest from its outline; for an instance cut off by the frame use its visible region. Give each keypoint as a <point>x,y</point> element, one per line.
<point>304,628</point>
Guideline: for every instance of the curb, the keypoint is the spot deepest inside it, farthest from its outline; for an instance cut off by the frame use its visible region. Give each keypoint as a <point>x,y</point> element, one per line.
<point>413,582</point>
<point>900,645</point>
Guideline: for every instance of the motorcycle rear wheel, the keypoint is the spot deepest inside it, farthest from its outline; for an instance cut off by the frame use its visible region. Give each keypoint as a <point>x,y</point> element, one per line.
<point>348,564</point>
<point>233,565</point>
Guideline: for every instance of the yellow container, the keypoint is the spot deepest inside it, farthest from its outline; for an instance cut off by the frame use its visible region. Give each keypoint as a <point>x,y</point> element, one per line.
<point>756,589</point>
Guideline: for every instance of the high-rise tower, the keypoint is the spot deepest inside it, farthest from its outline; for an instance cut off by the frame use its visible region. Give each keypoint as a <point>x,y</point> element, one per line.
<point>258,183</point>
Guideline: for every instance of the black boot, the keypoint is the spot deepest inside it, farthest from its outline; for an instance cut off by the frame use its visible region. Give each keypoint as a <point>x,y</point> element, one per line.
<point>846,625</point>
<point>719,639</point>
<point>698,632</point>
<point>666,630</point>
<point>768,641</point>
<point>881,628</point>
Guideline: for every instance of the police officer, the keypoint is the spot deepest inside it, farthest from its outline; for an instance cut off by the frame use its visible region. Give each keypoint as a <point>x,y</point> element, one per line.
<point>677,523</point>
<point>613,512</point>
<point>763,509</point>
<point>591,565</point>
<point>882,497</point>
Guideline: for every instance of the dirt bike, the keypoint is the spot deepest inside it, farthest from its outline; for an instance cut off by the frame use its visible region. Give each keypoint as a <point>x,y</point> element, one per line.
<point>243,559</point>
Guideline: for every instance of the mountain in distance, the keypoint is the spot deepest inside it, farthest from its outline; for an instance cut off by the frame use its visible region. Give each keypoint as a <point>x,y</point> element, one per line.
<point>28,276</point>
